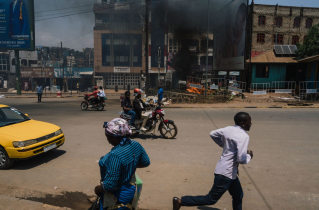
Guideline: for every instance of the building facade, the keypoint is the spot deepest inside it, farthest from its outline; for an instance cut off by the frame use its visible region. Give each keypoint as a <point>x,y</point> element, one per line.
<point>119,42</point>
<point>281,25</point>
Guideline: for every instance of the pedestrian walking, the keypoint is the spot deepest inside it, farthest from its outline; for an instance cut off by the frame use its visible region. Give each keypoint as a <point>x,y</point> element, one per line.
<point>39,92</point>
<point>160,94</point>
<point>234,140</point>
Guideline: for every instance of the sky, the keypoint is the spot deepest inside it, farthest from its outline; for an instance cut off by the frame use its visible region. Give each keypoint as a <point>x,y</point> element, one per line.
<point>76,31</point>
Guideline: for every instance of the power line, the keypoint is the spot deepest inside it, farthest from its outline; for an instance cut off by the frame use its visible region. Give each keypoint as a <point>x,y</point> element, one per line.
<point>102,8</point>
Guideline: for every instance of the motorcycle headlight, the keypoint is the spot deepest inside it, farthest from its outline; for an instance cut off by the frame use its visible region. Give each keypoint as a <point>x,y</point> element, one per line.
<point>58,132</point>
<point>163,112</point>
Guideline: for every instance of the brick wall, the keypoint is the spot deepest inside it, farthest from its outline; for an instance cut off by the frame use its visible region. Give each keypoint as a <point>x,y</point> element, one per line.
<point>287,29</point>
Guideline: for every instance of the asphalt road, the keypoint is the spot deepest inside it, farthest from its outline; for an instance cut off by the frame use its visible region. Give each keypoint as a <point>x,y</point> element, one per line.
<point>282,175</point>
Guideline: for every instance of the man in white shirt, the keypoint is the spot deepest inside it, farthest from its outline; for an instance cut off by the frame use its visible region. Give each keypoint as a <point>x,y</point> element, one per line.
<point>234,140</point>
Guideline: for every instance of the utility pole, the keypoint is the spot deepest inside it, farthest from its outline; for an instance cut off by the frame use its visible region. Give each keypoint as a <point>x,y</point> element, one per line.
<point>146,46</point>
<point>71,70</point>
<point>89,60</point>
<point>64,89</point>
<point>159,64</point>
<point>207,48</point>
<point>17,58</point>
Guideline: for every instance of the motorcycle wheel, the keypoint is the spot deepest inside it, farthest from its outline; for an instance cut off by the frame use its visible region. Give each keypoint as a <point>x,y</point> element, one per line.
<point>134,134</point>
<point>84,106</point>
<point>100,108</point>
<point>170,132</point>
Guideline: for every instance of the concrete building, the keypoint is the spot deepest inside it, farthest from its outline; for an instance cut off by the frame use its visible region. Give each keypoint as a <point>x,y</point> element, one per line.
<point>281,25</point>
<point>119,42</point>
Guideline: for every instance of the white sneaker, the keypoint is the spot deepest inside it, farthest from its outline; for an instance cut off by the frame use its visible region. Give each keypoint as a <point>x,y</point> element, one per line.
<point>143,129</point>
<point>131,127</point>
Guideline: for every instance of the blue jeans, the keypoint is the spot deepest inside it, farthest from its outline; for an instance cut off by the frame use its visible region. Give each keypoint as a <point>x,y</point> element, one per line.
<point>133,115</point>
<point>221,185</point>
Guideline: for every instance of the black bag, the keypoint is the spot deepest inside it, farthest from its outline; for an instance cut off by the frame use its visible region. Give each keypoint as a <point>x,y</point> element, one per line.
<point>95,205</point>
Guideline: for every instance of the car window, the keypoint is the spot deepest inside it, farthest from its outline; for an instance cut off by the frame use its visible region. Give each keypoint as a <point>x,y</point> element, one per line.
<point>10,115</point>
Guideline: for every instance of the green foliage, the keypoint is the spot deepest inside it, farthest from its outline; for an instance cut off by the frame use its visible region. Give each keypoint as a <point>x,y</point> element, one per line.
<point>310,47</point>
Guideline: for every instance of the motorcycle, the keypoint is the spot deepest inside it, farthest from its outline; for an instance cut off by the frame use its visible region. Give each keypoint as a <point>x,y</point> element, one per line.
<point>167,128</point>
<point>99,106</point>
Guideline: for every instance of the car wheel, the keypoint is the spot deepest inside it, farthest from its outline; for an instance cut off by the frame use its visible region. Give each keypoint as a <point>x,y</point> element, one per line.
<point>5,161</point>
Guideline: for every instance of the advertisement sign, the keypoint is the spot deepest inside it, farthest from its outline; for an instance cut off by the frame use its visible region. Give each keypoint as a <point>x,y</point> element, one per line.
<point>235,89</point>
<point>39,72</point>
<point>264,92</point>
<point>283,91</point>
<point>229,36</point>
<point>195,86</point>
<point>311,90</point>
<point>122,70</point>
<point>214,87</point>
<point>17,25</point>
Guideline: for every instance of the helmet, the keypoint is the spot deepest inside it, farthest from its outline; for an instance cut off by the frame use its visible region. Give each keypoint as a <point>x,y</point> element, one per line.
<point>95,88</point>
<point>137,91</point>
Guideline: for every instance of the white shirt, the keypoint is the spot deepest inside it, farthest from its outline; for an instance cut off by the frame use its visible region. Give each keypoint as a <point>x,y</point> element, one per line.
<point>234,140</point>
<point>14,4</point>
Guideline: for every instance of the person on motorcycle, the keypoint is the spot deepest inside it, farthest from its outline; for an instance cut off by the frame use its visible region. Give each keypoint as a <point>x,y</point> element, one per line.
<point>92,100</point>
<point>140,108</point>
<point>100,94</point>
<point>128,108</point>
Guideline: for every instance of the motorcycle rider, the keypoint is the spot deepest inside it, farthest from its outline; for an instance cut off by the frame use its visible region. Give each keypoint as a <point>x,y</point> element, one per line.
<point>101,94</point>
<point>95,92</point>
<point>140,108</point>
<point>128,108</point>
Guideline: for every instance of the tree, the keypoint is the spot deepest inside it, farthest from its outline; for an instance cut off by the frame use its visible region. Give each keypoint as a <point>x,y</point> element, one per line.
<point>310,47</point>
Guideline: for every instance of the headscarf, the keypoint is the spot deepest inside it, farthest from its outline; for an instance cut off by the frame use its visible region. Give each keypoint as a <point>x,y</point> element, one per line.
<point>118,128</point>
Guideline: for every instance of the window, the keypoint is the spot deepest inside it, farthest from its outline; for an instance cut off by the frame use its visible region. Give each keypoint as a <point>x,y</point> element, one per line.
<point>295,40</point>
<point>297,22</point>
<point>309,23</point>
<point>304,38</point>
<point>278,21</point>
<point>261,38</point>
<point>261,20</point>
<point>4,63</point>
<point>278,39</point>
<point>262,71</point>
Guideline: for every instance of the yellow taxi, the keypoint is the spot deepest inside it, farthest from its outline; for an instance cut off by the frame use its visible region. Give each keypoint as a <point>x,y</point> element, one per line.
<point>23,138</point>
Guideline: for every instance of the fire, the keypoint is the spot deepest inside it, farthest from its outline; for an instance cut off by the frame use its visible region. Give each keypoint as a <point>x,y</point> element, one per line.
<point>200,91</point>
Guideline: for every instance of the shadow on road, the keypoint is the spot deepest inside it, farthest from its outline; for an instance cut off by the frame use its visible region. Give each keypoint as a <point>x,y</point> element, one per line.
<point>207,208</point>
<point>147,137</point>
<point>37,161</point>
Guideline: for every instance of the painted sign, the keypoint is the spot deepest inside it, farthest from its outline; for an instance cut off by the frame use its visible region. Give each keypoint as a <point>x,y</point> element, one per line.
<point>214,87</point>
<point>17,25</point>
<point>263,92</point>
<point>195,86</point>
<point>122,69</point>
<point>38,72</point>
<point>311,90</point>
<point>235,89</point>
<point>283,91</point>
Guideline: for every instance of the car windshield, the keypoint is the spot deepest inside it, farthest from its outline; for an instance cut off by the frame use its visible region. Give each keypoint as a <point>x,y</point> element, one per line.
<point>10,115</point>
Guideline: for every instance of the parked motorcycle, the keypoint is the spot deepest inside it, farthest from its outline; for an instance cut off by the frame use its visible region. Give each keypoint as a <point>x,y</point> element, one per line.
<point>85,105</point>
<point>167,128</point>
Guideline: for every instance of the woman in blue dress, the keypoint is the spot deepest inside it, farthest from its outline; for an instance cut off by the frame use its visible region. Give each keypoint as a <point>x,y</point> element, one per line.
<point>117,168</point>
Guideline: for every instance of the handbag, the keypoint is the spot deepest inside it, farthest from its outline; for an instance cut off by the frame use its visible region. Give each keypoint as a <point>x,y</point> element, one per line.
<point>95,205</point>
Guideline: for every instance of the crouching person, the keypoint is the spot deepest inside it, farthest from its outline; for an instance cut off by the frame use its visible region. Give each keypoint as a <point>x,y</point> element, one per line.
<point>118,167</point>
